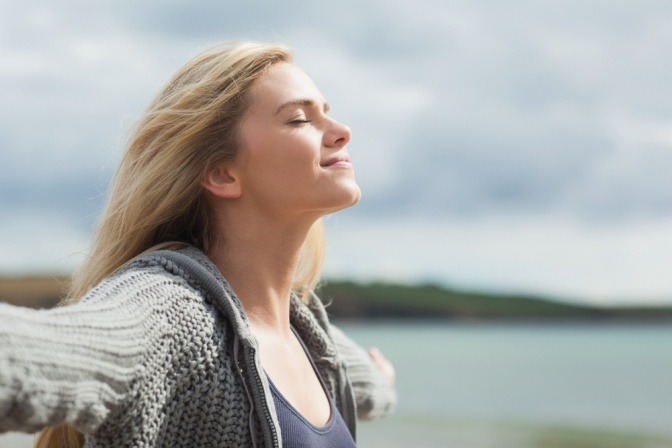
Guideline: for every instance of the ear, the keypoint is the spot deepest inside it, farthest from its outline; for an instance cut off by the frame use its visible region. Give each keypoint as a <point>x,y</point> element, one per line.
<point>223,182</point>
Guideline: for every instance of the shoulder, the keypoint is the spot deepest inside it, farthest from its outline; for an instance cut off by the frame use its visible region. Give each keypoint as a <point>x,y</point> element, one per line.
<point>141,286</point>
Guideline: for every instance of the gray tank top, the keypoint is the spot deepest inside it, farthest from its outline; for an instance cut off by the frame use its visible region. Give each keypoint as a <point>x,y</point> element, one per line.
<point>297,432</point>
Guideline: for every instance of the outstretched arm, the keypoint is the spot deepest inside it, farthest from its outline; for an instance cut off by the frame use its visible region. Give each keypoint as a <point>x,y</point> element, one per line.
<point>75,364</point>
<point>371,375</point>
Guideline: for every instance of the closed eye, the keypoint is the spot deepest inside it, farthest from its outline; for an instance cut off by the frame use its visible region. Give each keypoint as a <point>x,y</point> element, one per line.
<point>299,121</point>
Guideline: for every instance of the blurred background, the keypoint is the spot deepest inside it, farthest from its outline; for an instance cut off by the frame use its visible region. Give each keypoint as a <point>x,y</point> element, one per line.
<point>515,162</point>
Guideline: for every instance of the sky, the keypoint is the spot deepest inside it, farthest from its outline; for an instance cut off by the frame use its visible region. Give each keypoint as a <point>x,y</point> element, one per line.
<point>516,147</point>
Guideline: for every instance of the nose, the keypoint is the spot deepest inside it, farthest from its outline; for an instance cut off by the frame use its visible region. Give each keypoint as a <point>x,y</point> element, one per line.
<point>338,135</point>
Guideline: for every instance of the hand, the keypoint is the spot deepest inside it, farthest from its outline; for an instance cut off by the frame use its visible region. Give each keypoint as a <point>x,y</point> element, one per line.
<point>385,366</point>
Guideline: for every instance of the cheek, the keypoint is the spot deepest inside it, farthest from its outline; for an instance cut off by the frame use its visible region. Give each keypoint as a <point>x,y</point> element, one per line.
<point>281,167</point>
<point>295,156</point>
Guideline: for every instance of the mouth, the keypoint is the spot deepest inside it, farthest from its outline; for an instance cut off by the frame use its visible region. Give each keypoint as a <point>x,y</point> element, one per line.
<point>336,160</point>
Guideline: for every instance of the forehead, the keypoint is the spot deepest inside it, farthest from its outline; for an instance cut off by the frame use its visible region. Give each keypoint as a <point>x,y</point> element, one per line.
<point>282,82</point>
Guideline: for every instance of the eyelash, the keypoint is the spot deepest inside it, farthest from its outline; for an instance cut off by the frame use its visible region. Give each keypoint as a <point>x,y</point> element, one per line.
<point>299,121</point>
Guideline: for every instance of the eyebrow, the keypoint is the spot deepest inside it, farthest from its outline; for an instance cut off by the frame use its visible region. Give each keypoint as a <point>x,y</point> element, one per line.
<point>300,102</point>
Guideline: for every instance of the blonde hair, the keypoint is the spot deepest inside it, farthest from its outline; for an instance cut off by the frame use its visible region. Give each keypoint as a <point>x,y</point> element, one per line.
<point>156,199</point>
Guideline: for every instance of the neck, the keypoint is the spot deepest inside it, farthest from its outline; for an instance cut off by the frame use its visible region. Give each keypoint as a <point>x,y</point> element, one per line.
<point>259,260</point>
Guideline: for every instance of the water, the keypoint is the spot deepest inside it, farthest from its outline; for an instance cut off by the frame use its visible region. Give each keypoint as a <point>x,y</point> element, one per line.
<point>525,385</point>
<point>522,386</point>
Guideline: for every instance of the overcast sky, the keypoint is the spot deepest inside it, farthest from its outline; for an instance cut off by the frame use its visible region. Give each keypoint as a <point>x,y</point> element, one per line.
<point>512,146</point>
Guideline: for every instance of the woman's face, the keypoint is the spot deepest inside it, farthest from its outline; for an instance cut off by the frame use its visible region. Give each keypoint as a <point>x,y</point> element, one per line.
<point>293,158</point>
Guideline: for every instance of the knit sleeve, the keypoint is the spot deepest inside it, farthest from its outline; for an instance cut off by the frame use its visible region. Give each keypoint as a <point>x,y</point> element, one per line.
<point>375,396</point>
<point>75,364</point>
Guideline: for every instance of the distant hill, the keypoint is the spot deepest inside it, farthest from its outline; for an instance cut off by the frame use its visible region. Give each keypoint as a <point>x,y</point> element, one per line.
<point>385,300</point>
<point>33,291</point>
<point>350,300</point>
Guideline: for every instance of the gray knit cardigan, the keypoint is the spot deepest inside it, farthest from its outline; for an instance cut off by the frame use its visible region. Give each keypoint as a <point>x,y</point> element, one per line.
<point>161,354</point>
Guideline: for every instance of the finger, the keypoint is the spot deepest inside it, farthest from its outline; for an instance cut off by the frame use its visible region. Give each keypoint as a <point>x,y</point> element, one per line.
<point>382,364</point>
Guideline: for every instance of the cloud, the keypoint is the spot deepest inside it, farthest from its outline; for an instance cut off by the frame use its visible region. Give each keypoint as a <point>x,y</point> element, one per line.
<point>524,118</point>
<point>462,113</point>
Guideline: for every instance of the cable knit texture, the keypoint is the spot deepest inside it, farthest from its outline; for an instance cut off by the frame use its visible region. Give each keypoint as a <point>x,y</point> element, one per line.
<point>161,354</point>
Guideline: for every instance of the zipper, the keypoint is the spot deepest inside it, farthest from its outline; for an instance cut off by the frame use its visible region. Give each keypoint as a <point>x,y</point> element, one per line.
<point>264,402</point>
<point>241,375</point>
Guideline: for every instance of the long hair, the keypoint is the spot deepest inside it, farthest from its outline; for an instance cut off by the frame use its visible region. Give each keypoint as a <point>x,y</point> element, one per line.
<point>156,198</point>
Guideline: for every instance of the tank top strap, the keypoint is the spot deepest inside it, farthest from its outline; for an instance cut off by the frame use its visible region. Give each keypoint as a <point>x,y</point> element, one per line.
<point>298,432</point>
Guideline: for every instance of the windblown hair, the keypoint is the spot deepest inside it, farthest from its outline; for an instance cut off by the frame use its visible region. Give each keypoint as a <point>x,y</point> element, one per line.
<point>156,199</point>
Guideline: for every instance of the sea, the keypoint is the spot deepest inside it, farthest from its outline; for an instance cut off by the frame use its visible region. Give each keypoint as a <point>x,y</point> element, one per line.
<point>518,385</point>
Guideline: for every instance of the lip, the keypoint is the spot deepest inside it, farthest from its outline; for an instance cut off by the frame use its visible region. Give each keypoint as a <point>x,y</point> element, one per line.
<point>337,160</point>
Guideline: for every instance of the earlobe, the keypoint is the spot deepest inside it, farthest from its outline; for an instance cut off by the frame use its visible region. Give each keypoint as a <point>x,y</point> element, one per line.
<point>222,182</point>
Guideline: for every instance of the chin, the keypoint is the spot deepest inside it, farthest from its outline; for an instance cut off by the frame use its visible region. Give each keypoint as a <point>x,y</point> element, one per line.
<point>349,199</point>
<point>339,197</point>
<point>356,197</point>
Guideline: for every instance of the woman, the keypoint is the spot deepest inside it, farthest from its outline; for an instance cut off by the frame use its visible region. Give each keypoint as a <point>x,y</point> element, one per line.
<point>232,167</point>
